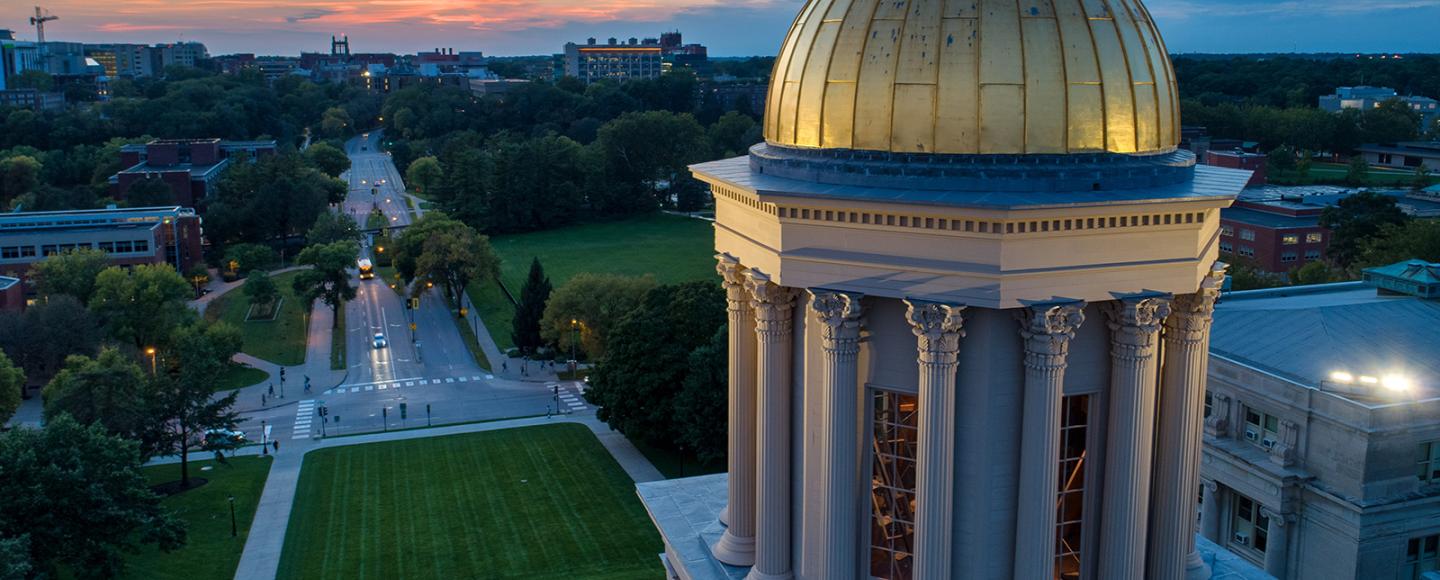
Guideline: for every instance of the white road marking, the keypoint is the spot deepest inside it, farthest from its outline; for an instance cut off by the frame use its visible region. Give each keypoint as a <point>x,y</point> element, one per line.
<point>383,387</point>
<point>463,379</point>
<point>409,383</point>
<point>486,376</point>
<point>449,380</point>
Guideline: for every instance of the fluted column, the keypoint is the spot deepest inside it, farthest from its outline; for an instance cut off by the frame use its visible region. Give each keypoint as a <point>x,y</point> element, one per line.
<point>774,308</point>
<point>1277,543</point>
<point>737,546</point>
<point>1047,331</point>
<point>1134,325</point>
<point>1210,511</point>
<point>839,316</point>
<point>1180,434</point>
<point>938,328</point>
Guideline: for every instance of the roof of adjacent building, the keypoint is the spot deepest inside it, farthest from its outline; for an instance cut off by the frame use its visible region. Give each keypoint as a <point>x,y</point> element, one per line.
<point>90,218</point>
<point>7,282</point>
<point>197,172</point>
<point>1306,333</point>
<point>1267,219</point>
<point>1420,148</point>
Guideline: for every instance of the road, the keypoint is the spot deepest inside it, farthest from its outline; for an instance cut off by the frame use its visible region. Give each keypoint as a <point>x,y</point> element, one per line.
<point>429,367</point>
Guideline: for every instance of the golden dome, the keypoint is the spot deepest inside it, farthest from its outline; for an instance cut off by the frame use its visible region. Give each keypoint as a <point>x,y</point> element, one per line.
<point>974,77</point>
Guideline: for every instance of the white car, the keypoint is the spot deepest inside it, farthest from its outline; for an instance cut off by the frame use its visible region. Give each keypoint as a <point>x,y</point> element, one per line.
<point>380,341</point>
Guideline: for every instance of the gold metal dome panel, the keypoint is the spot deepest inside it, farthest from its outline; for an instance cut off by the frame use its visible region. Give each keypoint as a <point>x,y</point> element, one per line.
<point>974,77</point>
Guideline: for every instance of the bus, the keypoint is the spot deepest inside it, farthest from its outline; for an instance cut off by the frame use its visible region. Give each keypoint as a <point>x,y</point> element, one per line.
<point>367,271</point>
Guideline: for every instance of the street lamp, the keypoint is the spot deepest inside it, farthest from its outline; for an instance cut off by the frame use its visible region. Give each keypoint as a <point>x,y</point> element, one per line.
<point>233,531</point>
<point>151,351</point>
<point>574,338</point>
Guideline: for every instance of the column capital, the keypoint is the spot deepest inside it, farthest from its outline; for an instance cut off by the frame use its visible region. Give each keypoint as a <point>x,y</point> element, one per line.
<point>1048,330</point>
<point>1134,323</point>
<point>839,314</point>
<point>1210,485</point>
<point>1277,518</point>
<point>1192,313</point>
<point>733,274</point>
<point>938,327</point>
<point>773,303</point>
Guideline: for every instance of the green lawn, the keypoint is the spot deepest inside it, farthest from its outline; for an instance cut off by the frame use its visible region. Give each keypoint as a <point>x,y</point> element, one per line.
<point>280,341</point>
<point>671,248</point>
<point>210,552</point>
<point>239,376</point>
<point>1334,173</point>
<point>537,503</point>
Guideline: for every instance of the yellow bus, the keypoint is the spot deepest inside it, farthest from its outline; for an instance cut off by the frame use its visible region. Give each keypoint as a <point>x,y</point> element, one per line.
<point>367,271</point>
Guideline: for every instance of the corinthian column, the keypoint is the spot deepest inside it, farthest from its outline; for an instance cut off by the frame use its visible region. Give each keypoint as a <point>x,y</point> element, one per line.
<point>774,307</point>
<point>1179,436</point>
<point>839,316</point>
<point>737,546</point>
<point>1047,331</point>
<point>938,328</point>
<point>1134,325</point>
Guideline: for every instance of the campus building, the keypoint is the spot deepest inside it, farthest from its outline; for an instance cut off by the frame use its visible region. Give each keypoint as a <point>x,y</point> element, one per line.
<point>1366,97</point>
<point>634,59</point>
<point>189,166</point>
<point>970,279</point>
<point>1276,236</point>
<point>148,235</point>
<point>1407,155</point>
<point>1322,428</point>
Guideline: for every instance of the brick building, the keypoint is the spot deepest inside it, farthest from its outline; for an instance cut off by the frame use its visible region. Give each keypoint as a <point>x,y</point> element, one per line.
<point>1238,159</point>
<point>149,235</point>
<point>189,166</point>
<point>1277,236</point>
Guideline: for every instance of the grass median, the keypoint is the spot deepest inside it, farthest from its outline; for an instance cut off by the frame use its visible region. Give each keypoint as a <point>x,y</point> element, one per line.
<point>539,503</point>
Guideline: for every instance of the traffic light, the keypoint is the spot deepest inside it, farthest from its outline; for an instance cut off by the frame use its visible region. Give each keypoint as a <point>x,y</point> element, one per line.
<point>402,411</point>
<point>282,372</point>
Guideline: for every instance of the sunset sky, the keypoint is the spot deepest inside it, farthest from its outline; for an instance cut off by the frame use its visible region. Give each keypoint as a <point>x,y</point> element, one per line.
<point>728,27</point>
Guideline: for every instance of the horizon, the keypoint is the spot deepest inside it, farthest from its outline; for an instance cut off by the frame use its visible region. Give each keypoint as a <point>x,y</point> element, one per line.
<point>542,27</point>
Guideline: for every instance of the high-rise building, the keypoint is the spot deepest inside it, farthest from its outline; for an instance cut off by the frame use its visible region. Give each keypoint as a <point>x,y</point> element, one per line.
<point>970,282</point>
<point>633,59</point>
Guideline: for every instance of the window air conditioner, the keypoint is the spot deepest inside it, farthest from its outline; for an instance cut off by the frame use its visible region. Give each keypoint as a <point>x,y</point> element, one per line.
<point>1251,434</point>
<point>1267,443</point>
<point>1242,538</point>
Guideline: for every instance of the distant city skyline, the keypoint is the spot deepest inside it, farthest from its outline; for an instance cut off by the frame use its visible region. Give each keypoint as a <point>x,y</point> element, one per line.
<point>525,27</point>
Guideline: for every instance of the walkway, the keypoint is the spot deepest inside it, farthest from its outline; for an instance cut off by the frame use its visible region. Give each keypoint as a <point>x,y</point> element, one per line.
<point>261,558</point>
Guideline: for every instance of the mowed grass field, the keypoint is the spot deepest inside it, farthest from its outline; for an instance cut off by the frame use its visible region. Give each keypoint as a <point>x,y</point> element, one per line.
<point>209,552</point>
<point>539,503</point>
<point>280,341</point>
<point>671,248</point>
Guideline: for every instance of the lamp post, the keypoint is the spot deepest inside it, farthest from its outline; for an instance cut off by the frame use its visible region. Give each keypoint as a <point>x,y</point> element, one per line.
<point>233,531</point>
<point>150,351</point>
<point>574,338</point>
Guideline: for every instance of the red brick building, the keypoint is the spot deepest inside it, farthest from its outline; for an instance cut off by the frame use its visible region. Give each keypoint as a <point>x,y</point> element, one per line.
<point>151,235</point>
<point>1277,236</point>
<point>1236,159</point>
<point>189,166</point>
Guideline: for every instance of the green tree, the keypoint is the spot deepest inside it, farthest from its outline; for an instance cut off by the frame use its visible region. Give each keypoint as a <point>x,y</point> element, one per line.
<point>333,227</point>
<point>1316,272</point>
<point>455,258</point>
<point>636,385</point>
<point>260,288</point>
<point>18,175</point>
<point>15,558</point>
<point>732,134</point>
<point>327,159</point>
<point>247,257</point>
<point>1413,240</point>
<point>597,303</point>
<point>12,379</point>
<point>150,192</point>
<point>72,272</point>
<point>275,197</point>
<point>40,339</point>
<point>142,305</point>
<point>328,279</point>
<point>1358,172</point>
<point>182,402</point>
<point>1357,219</point>
<point>336,123</point>
<point>525,329</point>
<point>1246,275</point>
<point>648,154</point>
<point>78,494</point>
<point>109,389</point>
<point>423,175</point>
<point>1421,179</point>
<point>702,406</point>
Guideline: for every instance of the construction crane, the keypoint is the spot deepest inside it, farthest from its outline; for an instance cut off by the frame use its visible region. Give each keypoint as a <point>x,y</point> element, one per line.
<point>38,21</point>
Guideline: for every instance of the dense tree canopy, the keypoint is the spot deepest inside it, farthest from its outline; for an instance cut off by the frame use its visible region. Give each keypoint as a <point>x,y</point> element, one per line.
<point>12,379</point>
<point>77,495</point>
<point>275,197</point>
<point>109,389</point>
<point>41,338</point>
<point>328,279</point>
<point>328,159</point>
<point>71,272</point>
<point>141,305</point>
<point>1356,219</point>
<point>597,302</point>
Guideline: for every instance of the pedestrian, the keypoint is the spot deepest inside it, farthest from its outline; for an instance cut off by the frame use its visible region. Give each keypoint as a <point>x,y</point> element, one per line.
<point>504,366</point>
<point>277,445</point>
<point>272,389</point>
<point>262,399</point>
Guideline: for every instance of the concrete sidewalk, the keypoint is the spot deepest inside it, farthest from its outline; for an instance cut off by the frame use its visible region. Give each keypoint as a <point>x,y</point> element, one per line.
<point>261,558</point>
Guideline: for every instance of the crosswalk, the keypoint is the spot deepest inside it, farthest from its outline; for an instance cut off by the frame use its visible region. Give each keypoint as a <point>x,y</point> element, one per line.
<point>570,398</point>
<point>401,383</point>
<point>303,415</point>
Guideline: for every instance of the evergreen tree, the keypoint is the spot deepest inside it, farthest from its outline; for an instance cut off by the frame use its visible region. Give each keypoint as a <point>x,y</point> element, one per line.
<point>531,308</point>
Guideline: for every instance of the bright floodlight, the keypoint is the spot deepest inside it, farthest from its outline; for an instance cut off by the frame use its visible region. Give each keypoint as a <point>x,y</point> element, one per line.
<point>1396,382</point>
<point>1369,380</point>
<point>1342,377</point>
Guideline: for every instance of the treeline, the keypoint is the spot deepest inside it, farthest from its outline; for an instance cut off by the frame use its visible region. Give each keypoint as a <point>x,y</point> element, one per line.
<point>552,154</point>
<point>56,160</point>
<point>1307,128</point>
<point>1290,82</point>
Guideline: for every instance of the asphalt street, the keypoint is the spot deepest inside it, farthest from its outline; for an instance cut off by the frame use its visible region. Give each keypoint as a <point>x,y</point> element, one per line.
<point>429,369</point>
